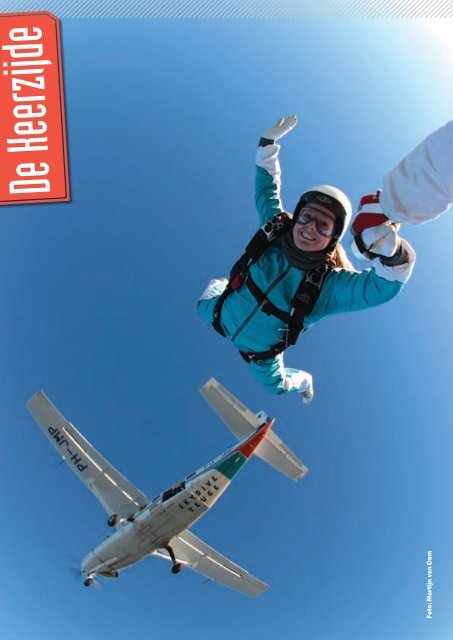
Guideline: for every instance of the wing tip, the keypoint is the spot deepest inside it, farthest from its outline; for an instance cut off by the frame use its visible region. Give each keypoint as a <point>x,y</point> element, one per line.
<point>212,382</point>
<point>302,474</point>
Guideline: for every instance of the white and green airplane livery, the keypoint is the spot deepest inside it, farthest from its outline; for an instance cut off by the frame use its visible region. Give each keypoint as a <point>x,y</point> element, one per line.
<point>161,527</point>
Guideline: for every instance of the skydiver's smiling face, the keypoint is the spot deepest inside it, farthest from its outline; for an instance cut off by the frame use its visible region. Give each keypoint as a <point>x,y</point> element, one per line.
<point>317,233</point>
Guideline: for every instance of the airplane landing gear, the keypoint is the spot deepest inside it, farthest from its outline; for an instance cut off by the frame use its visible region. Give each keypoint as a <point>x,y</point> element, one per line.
<point>113,520</point>
<point>88,582</point>
<point>176,566</point>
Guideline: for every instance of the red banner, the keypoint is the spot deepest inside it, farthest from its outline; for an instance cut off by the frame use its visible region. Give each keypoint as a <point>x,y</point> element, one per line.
<point>33,149</point>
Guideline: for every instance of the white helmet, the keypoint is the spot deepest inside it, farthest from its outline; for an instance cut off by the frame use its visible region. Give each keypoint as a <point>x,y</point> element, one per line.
<point>333,199</point>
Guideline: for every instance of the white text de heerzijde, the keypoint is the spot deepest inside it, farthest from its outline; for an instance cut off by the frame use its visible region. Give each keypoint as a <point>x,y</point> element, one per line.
<point>27,71</point>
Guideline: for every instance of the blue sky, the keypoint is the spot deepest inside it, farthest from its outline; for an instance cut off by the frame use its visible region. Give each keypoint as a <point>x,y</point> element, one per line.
<point>99,310</point>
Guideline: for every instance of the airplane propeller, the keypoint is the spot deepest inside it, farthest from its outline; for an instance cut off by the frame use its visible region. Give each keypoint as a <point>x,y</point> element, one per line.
<point>74,566</point>
<point>76,572</point>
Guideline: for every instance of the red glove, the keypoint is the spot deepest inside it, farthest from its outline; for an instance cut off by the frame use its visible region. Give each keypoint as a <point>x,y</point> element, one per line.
<point>373,234</point>
<point>369,214</point>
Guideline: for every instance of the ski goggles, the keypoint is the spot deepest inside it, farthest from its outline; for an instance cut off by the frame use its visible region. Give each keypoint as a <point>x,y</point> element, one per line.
<point>324,226</point>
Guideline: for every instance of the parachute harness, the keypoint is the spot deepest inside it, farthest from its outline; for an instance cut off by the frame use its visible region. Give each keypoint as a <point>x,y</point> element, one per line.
<point>302,303</point>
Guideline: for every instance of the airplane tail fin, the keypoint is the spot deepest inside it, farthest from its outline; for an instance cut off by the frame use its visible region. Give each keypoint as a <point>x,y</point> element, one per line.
<point>242,422</point>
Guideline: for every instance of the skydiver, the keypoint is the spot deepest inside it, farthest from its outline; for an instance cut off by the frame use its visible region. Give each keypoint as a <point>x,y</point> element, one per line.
<point>295,271</point>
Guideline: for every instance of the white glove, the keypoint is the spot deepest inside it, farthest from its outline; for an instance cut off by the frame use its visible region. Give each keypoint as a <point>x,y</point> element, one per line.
<point>382,240</point>
<point>302,382</point>
<point>280,128</point>
<point>307,396</point>
<point>215,288</point>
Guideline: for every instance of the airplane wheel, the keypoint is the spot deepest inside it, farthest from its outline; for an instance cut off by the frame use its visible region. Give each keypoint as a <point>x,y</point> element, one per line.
<point>176,568</point>
<point>113,520</point>
<point>88,582</point>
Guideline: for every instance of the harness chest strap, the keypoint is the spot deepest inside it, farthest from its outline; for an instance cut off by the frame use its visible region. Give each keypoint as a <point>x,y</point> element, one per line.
<point>302,303</point>
<point>260,242</point>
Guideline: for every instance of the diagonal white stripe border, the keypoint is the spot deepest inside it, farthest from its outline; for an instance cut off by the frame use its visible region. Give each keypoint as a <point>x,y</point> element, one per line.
<point>235,8</point>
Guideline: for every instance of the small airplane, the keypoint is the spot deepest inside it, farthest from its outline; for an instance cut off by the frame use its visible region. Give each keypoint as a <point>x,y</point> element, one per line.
<point>160,527</point>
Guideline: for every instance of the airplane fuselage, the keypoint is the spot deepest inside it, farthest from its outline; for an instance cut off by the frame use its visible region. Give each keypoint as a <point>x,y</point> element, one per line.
<point>170,514</point>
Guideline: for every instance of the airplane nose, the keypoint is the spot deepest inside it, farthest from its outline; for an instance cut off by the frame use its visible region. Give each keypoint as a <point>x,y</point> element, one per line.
<point>88,563</point>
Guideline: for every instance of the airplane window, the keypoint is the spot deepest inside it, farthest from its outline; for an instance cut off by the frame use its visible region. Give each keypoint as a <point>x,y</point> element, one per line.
<point>173,491</point>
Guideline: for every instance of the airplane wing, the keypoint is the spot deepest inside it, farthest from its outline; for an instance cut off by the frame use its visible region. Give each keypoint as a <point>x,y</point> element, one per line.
<point>234,414</point>
<point>114,492</point>
<point>243,423</point>
<point>200,557</point>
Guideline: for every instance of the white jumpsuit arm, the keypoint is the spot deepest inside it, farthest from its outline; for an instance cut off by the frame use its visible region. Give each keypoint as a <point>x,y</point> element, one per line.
<point>420,187</point>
